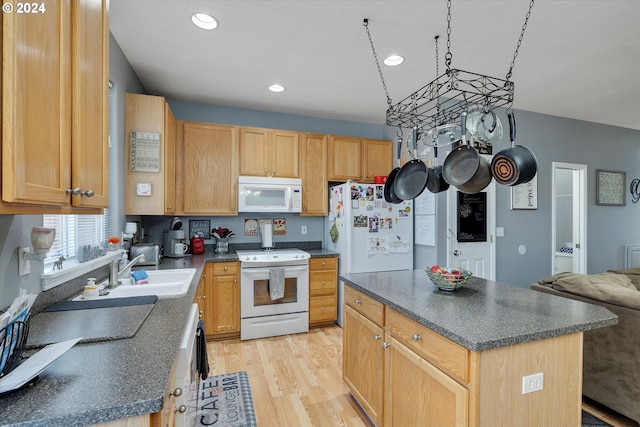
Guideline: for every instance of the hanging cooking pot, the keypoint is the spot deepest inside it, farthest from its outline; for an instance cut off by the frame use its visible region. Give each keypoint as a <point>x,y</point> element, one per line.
<point>515,165</point>
<point>462,163</point>
<point>435,181</point>
<point>480,179</point>
<point>412,176</point>
<point>389,191</point>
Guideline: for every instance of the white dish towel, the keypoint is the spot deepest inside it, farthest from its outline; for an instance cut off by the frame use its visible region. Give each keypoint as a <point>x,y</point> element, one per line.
<point>276,282</point>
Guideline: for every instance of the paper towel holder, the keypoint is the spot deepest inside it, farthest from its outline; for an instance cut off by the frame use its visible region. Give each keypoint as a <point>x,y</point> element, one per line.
<point>266,233</point>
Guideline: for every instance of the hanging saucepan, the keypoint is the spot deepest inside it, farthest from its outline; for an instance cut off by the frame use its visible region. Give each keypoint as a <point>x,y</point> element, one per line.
<point>515,165</point>
<point>389,192</point>
<point>480,179</point>
<point>462,163</point>
<point>412,177</point>
<point>435,181</point>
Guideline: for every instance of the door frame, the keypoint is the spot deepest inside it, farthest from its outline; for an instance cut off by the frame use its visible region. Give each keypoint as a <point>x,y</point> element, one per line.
<point>580,213</point>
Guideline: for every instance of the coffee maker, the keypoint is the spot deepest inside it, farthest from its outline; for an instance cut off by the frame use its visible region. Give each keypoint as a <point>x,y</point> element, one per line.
<point>175,245</point>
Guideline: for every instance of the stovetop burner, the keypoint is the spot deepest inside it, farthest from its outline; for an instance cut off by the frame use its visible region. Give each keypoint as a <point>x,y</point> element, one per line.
<point>273,257</point>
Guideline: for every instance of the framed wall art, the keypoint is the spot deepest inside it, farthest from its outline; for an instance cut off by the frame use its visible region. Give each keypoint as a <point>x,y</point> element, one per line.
<point>610,188</point>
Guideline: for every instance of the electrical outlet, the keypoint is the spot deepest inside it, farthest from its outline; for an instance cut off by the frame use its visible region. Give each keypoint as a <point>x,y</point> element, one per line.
<point>304,229</point>
<point>531,383</point>
<point>24,266</point>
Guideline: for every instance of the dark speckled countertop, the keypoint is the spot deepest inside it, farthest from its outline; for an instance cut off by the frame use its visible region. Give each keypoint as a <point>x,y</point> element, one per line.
<point>484,314</point>
<point>110,380</point>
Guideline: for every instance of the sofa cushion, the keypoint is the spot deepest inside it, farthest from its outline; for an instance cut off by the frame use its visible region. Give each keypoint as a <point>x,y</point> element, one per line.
<point>608,287</point>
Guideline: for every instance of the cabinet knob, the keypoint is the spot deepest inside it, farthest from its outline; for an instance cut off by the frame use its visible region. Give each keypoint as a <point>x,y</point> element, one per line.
<point>182,409</point>
<point>324,282</point>
<point>203,297</point>
<point>226,268</point>
<point>324,263</point>
<point>323,309</point>
<point>266,173</point>
<point>358,301</point>
<point>88,193</point>
<point>175,393</point>
<point>200,314</point>
<point>386,345</point>
<point>204,275</point>
<point>416,337</point>
<point>75,191</point>
<point>235,280</point>
<point>274,172</point>
<point>377,337</point>
<point>169,207</point>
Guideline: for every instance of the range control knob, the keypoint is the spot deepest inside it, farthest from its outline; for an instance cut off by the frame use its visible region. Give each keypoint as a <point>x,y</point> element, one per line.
<point>255,258</point>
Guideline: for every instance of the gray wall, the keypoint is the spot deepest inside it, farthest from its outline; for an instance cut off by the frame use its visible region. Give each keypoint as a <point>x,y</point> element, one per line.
<point>556,139</point>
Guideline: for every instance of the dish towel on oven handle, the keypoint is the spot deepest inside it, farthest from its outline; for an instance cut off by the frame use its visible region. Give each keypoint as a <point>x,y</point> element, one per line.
<point>276,282</point>
<point>202,359</point>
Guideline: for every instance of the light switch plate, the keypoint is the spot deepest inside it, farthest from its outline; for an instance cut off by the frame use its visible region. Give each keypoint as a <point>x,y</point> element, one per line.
<point>24,266</point>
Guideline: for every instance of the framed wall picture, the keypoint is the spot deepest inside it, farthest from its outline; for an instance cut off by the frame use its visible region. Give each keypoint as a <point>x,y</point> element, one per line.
<point>525,196</point>
<point>610,188</point>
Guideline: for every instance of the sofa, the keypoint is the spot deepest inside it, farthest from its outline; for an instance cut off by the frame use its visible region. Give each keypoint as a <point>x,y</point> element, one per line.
<point>611,362</point>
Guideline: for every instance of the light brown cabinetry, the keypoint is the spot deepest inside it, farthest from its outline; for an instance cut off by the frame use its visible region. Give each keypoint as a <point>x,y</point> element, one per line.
<point>358,159</point>
<point>323,290</point>
<point>145,113</point>
<point>268,152</point>
<point>207,170</point>
<point>313,171</point>
<point>449,384</point>
<point>55,108</point>
<point>222,299</point>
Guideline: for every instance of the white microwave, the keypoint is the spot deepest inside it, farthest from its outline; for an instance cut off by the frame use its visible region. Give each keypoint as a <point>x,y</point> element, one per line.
<point>262,194</point>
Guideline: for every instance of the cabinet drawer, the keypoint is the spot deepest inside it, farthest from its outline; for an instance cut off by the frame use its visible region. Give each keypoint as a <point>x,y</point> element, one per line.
<point>323,263</point>
<point>324,282</point>
<point>448,356</point>
<point>365,305</point>
<point>323,309</point>
<point>224,268</point>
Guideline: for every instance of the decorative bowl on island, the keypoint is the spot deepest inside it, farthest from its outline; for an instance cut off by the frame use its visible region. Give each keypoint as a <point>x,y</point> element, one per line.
<point>448,278</point>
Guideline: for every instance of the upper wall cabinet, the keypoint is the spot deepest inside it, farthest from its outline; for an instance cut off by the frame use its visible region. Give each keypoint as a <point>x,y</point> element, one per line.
<point>55,108</point>
<point>313,171</point>
<point>358,159</point>
<point>207,168</point>
<point>268,152</point>
<point>150,179</point>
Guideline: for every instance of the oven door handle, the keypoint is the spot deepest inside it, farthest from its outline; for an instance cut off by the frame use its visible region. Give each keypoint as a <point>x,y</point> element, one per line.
<point>288,270</point>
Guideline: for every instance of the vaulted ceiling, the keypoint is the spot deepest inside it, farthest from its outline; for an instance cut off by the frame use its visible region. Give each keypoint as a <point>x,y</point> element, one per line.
<point>579,59</point>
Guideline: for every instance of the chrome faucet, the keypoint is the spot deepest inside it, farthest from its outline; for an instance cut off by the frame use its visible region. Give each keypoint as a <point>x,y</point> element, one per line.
<point>115,275</point>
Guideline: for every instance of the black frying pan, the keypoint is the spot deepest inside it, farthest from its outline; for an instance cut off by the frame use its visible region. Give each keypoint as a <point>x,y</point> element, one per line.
<point>412,177</point>
<point>515,165</point>
<point>462,163</point>
<point>436,182</point>
<point>389,191</point>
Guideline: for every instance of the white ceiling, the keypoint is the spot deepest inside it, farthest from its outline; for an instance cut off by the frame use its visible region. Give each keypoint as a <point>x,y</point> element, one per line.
<point>579,58</point>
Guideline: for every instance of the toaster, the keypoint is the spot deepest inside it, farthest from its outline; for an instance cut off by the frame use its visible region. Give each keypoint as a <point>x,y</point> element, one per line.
<point>151,253</point>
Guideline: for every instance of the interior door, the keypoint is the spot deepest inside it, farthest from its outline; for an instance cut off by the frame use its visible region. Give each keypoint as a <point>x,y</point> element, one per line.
<point>569,212</point>
<point>471,231</point>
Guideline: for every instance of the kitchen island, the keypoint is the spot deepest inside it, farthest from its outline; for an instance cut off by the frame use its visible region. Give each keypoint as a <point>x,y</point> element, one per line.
<point>416,355</point>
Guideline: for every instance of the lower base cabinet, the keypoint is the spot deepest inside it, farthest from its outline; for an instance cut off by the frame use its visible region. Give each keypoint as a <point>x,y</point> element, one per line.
<point>222,300</point>
<point>404,374</point>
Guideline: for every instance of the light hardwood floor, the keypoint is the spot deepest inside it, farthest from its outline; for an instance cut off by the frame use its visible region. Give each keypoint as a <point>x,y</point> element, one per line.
<point>296,380</point>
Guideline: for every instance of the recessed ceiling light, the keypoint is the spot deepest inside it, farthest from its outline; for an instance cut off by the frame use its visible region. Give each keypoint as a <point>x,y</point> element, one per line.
<point>204,21</point>
<point>276,88</point>
<point>393,60</point>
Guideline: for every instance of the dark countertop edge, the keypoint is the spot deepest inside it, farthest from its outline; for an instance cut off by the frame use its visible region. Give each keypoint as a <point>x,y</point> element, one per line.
<point>153,403</point>
<point>486,344</point>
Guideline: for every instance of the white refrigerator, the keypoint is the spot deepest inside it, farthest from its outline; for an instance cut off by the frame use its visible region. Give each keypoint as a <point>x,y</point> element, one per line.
<point>369,233</point>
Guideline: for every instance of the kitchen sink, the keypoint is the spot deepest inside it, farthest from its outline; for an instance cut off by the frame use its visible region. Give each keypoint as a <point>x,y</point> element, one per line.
<point>172,283</point>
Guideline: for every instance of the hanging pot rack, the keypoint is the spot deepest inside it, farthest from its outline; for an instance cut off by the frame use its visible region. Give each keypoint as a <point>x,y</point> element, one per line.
<point>443,100</point>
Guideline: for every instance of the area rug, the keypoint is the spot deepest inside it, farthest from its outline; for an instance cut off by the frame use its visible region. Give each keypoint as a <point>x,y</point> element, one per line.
<point>225,401</point>
<point>589,420</point>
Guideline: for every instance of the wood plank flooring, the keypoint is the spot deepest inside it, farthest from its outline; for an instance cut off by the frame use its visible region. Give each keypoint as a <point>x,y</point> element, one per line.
<point>296,380</point>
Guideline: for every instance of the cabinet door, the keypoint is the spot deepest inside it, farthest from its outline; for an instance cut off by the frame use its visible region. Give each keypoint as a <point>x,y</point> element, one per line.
<point>90,103</point>
<point>254,152</point>
<point>210,158</point>
<point>378,158</point>
<point>169,161</point>
<point>284,154</point>
<point>223,299</point>
<point>363,357</point>
<point>419,394</point>
<point>313,171</point>
<point>345,158</point>
<point>36,105</point>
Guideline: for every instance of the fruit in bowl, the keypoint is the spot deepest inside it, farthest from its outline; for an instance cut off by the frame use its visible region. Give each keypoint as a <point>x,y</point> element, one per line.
<point>448,279</point>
